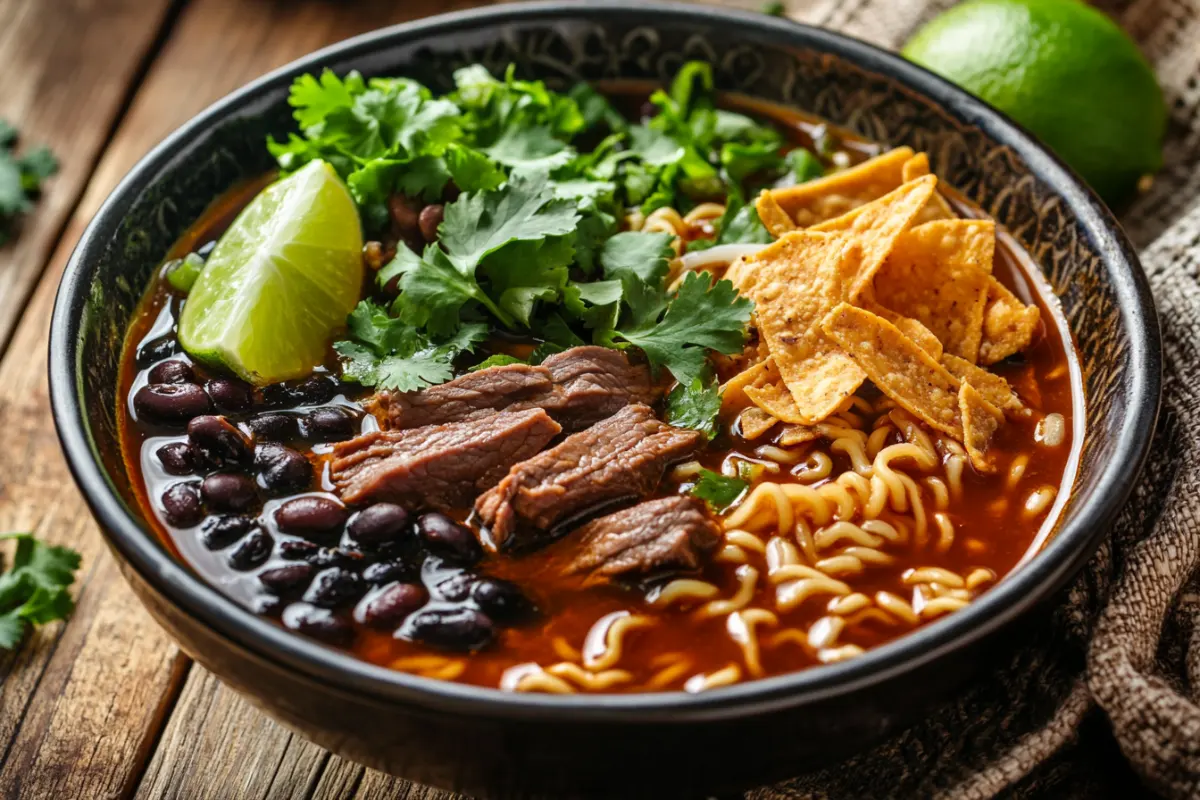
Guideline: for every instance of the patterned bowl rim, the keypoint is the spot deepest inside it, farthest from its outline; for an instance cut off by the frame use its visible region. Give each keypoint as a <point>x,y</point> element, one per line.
<point>1075,541</point>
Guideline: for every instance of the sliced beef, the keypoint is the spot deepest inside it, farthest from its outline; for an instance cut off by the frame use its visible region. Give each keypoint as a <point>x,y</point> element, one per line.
<point>671,534</point>
<point>439,466</point>
<point>593,383</point>
<point>577,387</point>
<point>474,395</point>
<point>621,457</point>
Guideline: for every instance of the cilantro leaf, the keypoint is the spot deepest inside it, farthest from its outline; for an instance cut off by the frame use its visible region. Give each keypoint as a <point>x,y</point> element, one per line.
<point>774,8</point>
<point>639,256</point>
<point>34,590</point>
<point>802,166</point>
<point>21,177</point>
<point>719,491</point>
<point>696,406</point>
<point>738,225</point>
<point>701,316</point>
<point>530,149</point>
<point>496,360</point>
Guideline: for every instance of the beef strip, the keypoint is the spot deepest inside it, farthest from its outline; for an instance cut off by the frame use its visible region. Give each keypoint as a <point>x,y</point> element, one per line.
<point>670,534</point>
<point>471,396</point>
<point>621,457</point>
<point>577,387</point>
<point>442,466</point>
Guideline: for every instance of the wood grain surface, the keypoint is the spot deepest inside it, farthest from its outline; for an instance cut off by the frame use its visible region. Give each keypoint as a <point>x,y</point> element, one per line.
<point>105,706</point>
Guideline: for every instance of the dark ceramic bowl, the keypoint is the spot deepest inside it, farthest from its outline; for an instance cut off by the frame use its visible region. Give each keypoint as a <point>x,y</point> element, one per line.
<point>487,742</point>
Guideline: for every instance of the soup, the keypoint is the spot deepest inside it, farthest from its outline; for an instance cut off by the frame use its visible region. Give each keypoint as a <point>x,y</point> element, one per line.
<point>637,391</point>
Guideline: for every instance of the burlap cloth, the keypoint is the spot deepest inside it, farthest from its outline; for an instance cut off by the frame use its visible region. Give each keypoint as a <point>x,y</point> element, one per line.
<point>1104,698</point>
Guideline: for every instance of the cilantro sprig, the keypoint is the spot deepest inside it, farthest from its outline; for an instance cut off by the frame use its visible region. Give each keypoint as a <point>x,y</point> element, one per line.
<point>34,589</point>
<point>719,491</point>
<point>21,178</point>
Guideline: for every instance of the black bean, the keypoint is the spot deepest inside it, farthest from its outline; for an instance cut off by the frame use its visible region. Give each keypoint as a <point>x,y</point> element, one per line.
<point>276,394</point>
<point>282,470</point>
<point>157,350</point>
<point>377,524</point>
<point>429,220</point>
<point>463,629</point>
<point>453,587</point>
<point>170,402</point>
<point>383,572</point>
<point>229,491</point>
<point>405,212</point>
<point>330,424</point>
<point>388,607</point>
<point>298,549</point>
<point>229,395</point>
<point>220,532</point>
<point>502,601</point>
<point>319,623</point>
<point>173,371</point>
<point>220,440</point>
<point>252,551</point>
<point>177,458</point>
<point>181,504</point>
<point>446,538</point>
<point>273,427</point>
<point>333,557</point>
<point>308,516</point>
<point>314,390</point>
<point>333,587</point>
<point>287,578</point>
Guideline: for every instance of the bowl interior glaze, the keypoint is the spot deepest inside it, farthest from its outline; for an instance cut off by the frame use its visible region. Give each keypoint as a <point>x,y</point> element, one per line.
<point>1069,233</point>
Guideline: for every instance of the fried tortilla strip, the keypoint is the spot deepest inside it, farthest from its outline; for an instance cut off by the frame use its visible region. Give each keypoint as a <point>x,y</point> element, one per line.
<point>938,274</point>
<point>754,422</point>
<point>993,387</point>
<point>733,393</point>
<point>874,229</point>
<point>798,280</point>
<point>1008,324</point>
<point>772,215</point>
<point>792,435</point>
<point>897,366</point>
<point>909,327</point>
<point>825,198</point>
<point>937,207</point>
<point>980,421</point>
<point>769,393</point>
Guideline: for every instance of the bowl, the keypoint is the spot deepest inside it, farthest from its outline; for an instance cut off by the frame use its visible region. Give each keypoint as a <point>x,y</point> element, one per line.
<point>487,742</point>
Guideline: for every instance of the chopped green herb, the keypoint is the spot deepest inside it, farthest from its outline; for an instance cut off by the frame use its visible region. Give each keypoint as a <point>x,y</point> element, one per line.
<point>717,490</point>
<point>21,178</point>
<point>802,166</point>
<point>497,360</point>
<point>774,8</point>
<point>183,272</point>
<point>34,589</point>
<point>695,406</point>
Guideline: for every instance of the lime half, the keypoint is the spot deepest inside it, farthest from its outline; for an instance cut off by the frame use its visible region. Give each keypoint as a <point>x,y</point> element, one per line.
<point>280,280</point>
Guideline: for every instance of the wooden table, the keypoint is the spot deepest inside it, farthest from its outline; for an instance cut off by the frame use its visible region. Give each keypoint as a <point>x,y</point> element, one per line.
<point>105,705</point>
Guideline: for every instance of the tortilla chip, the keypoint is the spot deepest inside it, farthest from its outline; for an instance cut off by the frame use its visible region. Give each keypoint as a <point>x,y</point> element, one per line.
<point>980,420</point>
<point>1008,324</point>
<point>773,216</point>
<point>792,435</point>
<point>937,207</point>
<point>938,274</point>
<point>993,387</point>
<point>897,366</point>
<point>797,281</point>
<point>754,422</point>
<point>769,393</point>
<point>825,198</point>
<point>909,327</point>
<point>733,393</point>
<point>738,273</point>
<point>874,229</point>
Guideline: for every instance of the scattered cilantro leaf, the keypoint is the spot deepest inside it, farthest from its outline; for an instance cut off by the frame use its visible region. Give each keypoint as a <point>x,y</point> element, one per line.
<point>21,178</point>
<point>719,491</point>
<point>701,316</point>
<point>738,225</point>
<point>642,257</point>
<point>774,8</point>
<point>34,589</point>
<point>696,406</point>
<point>802,166</point>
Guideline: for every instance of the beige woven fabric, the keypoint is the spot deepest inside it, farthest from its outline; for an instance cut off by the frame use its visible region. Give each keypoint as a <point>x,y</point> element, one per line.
<point>1103,699</point>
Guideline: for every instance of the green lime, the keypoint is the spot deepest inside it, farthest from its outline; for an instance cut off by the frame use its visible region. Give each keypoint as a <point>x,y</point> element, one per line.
<point>280,280</point>
<point>1063,70</point>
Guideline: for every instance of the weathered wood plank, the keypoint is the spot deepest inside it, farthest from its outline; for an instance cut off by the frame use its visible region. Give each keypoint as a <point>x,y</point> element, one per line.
<point>65,83</point>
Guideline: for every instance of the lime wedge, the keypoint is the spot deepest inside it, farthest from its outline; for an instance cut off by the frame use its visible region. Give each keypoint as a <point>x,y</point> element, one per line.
<point>280,280</point>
